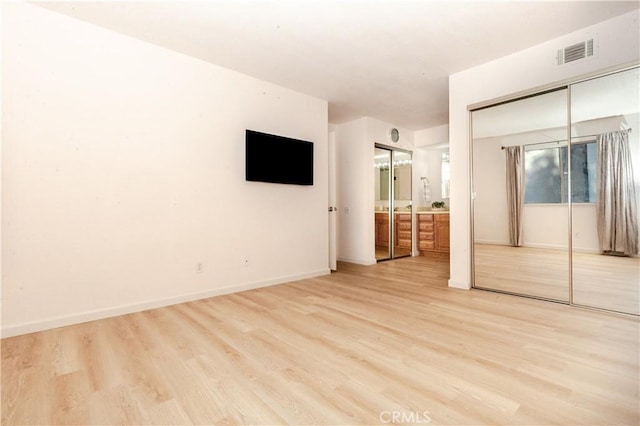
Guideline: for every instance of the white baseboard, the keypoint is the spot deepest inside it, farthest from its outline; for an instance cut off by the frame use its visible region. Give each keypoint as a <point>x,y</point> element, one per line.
<point>494,242</point>
<point>459,285</point>
<point>365,262</point>
<point>542,246</point>
<point>586,250</point>
<point>65,320</point>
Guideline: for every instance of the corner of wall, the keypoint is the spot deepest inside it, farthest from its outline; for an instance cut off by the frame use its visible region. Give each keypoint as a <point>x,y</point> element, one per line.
<point>460,285</point>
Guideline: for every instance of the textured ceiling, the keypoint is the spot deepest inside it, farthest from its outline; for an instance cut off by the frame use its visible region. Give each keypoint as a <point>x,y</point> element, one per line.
<point>384,59</point>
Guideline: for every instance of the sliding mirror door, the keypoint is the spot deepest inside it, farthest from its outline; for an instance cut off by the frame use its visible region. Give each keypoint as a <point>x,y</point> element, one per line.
<point>605,184</point>
<point>393,211</point>
<point>520,187</point>
<point>403,235</point>
<point>383,210</point>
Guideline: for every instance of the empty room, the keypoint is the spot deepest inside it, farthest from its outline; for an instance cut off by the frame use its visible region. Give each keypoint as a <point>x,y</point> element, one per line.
<point>320,212</point>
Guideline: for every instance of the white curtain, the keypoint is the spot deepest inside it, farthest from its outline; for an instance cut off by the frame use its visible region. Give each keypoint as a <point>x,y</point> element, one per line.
<point>616,195</point>
<point>515,193</point>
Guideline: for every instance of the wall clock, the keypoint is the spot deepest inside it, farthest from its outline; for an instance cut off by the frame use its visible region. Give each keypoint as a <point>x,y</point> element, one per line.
<point>394,135</point>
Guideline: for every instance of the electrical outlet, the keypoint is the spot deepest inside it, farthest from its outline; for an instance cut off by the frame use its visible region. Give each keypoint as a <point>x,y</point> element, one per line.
<point>199,268</point>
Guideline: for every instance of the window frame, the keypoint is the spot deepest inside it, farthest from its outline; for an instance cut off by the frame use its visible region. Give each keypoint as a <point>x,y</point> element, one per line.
<point>563,153</point>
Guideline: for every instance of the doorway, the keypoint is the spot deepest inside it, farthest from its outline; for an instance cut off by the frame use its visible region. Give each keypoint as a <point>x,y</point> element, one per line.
<point>393,206</point>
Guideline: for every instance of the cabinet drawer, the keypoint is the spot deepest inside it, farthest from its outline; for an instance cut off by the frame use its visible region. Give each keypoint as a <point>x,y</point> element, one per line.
<point>404,243</point>
<point>425,217</point>
<point>382,217</point>
<point>442,217</point>
<point>404,217</point>
<point>426,236</point>
<point>428,226</point>
<point>426,245</point>
<point>404,235</point>
<point>404,226</point>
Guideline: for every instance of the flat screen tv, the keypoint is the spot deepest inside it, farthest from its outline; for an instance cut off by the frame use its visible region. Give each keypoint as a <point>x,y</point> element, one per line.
<point>277,159</point>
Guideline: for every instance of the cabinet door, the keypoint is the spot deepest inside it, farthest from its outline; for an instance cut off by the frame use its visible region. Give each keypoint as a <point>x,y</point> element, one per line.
<point>442,236</point>
<point>382,229</point>
<point>384,234</point>
<point>426,226</point>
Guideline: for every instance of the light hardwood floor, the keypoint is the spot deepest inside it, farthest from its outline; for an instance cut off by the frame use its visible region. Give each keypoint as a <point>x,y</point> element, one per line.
<point>601,281</point>
<point>354,347</point>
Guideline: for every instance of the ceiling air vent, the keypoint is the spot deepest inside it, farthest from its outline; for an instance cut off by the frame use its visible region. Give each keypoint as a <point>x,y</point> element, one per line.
<point>576,52</point>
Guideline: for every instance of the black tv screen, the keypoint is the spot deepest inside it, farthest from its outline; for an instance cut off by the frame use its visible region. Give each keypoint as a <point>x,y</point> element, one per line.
<point>277,159</point>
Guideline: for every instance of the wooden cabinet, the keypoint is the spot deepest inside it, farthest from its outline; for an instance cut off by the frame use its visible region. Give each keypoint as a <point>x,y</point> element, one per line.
<point>433,232</point>
<point>442,232</point>
<point>426,232</point>
<point>382,229</point>
<point>403,230</point>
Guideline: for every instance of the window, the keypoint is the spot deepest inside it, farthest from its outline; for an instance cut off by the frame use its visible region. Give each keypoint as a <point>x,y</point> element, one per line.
<point>583,172</point>
<point>546,171</point>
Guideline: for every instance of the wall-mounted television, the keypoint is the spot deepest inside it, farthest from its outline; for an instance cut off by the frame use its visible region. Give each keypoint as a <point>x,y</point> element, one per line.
<point>278,159</point>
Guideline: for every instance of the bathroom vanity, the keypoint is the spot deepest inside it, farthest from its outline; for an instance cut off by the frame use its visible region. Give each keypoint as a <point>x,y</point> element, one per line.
<point>433,232</point>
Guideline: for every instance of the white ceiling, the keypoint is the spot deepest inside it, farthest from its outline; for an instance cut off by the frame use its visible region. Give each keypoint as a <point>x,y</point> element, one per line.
<point>387,59</point>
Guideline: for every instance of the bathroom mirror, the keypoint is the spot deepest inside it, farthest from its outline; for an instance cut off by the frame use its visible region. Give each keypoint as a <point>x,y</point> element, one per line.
<point>382,183</point>
<point>402,175</point>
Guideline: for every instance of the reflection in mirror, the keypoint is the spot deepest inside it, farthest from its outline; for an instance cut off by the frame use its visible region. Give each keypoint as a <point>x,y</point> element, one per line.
<point>403,241</point>
<point>382,159</point>
<point>605,183</point>
<point>520,215</point>
<point>444,170</point>
<point>393,209</point>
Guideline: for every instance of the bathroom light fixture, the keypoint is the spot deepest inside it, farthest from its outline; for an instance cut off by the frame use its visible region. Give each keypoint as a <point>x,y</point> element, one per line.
<point>385,165</point>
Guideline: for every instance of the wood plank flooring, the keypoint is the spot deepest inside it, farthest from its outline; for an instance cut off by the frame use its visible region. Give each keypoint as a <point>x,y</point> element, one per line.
<point>607,282</point>
<point>523,270</point>
<point>359,346</point>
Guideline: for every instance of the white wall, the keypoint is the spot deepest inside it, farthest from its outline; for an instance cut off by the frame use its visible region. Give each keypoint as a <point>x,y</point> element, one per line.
<point>354,215</point>
<point>428,163</point>
<point>618,43</point>
<point>438,135</point>
<point>430,144</point>
<point>123,168</point>
<point>355,147</point>
<point>490,215</point>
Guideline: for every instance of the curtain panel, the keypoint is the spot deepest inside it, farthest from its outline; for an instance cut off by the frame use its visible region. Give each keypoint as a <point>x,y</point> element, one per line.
<point>616,203</point>
<point>515,192</point>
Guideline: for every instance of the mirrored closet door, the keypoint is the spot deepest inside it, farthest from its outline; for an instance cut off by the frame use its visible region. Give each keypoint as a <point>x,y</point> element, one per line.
<point>555,208</point>
<point>520,214</point>
<point>605,184</point>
